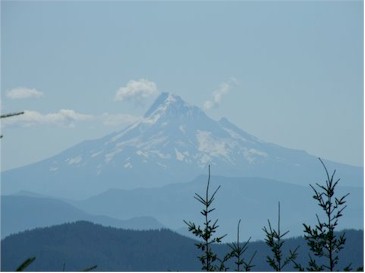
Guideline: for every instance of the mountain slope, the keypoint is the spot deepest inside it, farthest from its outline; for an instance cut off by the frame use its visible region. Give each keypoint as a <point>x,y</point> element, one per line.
<point>19,213</point>
<point>174,142</point>
<point>80,245</point>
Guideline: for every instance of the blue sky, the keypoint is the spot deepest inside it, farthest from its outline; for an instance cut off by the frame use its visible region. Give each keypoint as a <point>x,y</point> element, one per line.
<point>288,72</point>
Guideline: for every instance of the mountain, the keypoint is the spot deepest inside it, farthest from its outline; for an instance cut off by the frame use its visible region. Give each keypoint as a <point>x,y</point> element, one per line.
<point>254,200</point>
<point>80,245</point>
<point>173,142</point>
<point>19,213</point>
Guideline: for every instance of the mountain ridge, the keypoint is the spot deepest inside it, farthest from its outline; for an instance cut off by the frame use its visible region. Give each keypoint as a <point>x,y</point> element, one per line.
<point>253,200</point>
<point>23,212</point>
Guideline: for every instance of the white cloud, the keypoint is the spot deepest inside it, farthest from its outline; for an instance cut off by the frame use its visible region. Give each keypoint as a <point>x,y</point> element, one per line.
<point>68,118</point>
<point>64,117</point>
<point>118,119</point>
<point>136,91</point>
<point>218,94</point>
<point>23,93</point>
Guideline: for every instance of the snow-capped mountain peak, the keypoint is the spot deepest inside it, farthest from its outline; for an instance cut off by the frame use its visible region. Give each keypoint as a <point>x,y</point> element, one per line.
<point>168,106</point>
<point>173,142</point>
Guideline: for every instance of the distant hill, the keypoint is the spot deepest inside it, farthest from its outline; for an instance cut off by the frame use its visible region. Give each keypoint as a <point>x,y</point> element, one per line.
<point>20,212</point>
<point>254,200</point>
<point>79,245</point>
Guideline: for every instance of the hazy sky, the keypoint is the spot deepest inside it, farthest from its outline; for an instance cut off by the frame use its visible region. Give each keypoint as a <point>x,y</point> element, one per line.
<point>288,72</point>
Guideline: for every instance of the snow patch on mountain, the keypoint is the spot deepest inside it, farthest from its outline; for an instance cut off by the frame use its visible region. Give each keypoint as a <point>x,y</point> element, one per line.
<point>252,155</point>
<point>205,160</point>
<point>142,153</point>
<point>53,169</point>
<point>74,160</point>
<point>235,135</point>
<point>96,154</point>
<point>109,157</point>
<point>182,129</point>
<point>151,143</point>
<point>160,154</point>
<point>179,156</point>
<point>164,166</point>
<point>210,145</point>
<point>128,165</point>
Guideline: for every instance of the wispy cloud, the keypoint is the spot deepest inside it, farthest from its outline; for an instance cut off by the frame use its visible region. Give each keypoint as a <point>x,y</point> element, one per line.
<point>68,118</point>
<point>23,93</point>
<point>136,91</point>
<point>117,120</point>
<point>218,94</point>
<point>64,117</point>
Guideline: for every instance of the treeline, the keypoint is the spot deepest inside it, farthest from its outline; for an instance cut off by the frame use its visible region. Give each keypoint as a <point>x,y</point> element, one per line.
<point>77,246</point>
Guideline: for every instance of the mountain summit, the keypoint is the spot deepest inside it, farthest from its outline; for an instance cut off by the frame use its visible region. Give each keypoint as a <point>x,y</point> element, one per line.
<point>173,142</point>
<point>169,105</point>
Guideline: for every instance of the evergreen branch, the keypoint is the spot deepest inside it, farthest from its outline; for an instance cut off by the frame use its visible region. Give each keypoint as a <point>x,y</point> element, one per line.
<point>25,264</point>
<point>90,268</point>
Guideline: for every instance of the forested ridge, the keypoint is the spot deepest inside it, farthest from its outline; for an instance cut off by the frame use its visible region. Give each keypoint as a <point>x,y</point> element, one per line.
<point>78,245</point>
